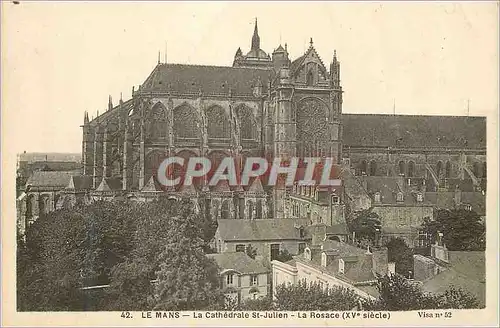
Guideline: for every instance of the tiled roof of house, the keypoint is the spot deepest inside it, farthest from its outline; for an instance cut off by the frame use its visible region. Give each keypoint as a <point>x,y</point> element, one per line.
<point>417,131</point>
<point>238,261</point>
<point>177,78</point>
<point>51,179</point>
<point>337,229</point>
<point>261,229</point>
<point>467,271</point>
<point>357,264</point>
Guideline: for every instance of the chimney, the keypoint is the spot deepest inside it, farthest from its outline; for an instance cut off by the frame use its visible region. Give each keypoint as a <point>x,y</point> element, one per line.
<point>319,234</point>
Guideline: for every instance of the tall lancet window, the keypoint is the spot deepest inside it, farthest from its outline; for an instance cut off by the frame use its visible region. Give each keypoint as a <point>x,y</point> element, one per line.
<point>310,78</point>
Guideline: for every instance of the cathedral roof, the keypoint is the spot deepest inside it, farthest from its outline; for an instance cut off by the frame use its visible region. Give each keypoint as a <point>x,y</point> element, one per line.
<point>41,179</point>
<point>210,80</point>
<point>383,130</point>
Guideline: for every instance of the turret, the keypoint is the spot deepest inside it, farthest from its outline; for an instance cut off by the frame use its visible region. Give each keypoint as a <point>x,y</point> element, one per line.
<point>280,57</point>
<point>110,103</point>
<point>335,70</point>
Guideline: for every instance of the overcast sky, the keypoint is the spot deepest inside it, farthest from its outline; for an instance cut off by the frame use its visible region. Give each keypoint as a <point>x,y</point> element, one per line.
<point>60,59</point>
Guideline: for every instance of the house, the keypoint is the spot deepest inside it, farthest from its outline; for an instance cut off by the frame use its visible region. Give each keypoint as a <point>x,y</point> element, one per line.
<point>267,236</point>
<point>241,276</point>
<point>444,269</point>
<point>335,263</point>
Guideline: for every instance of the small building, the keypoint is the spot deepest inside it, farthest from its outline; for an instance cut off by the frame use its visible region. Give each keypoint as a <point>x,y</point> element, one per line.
<point>335,263</point>
<point>241,276</point>
<point>444,269</point>
<point>267,236</point>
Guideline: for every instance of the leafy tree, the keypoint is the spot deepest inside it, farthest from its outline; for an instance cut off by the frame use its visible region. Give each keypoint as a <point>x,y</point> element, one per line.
<point>187,279</point>
<point>400,294</point>
<point>462,229</point>
<point>366,225</point>
<point>399,253</point>
<point>284,256</point>
<point>250,251</point>
<point>313,297</point>
<point>259,304</point>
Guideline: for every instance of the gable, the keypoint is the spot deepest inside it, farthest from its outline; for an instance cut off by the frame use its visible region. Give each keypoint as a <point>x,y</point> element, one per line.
<point>309,66</point>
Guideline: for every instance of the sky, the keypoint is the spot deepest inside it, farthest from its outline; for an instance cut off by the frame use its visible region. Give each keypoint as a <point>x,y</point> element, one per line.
<point>62,58</point>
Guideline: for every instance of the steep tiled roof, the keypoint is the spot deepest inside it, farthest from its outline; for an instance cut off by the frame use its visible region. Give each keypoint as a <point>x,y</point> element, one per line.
<point>414,131</point>
<point>110,184</point>
<point>152,185</point>
<point>467,272</point>
<point>51,179</point>
<point>357,264</point>
<point>80,182</point>
<point>261,229</point>
<point>192,79</point>
<point>238,261</point>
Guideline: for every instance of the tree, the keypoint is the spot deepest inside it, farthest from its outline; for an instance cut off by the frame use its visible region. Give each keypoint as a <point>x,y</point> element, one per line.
<point>366,225</point>
<point>399,253</point>
<point>250,251</point>
<point>187,279</point>
<point>400,294</point>
<point>462,230</point>
<point>284,256</point>
<point>314,297</point>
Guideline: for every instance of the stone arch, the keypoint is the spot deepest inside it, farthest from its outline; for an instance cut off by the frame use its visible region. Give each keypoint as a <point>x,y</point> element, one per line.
<point>411,169</point>
<point>186,123</point>
<point>310,78</point>
<point>402,167</point>
<point>248,123</point>
<point>152,161</point>
<point>44,204</point>
<point>30,201</point>
<point>178,170</point>
<point>218,124</point>
<point>373,167</point>
<point>157,122</point>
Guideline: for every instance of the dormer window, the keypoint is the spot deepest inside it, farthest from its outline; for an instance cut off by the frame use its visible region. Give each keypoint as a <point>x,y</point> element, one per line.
<point>377,197</point>
<point>420,197</point>
<point>341,266</point>
<point>399,197</point>
<point>307,254</point>
<point>229,278</point>
<point>323,259</point>
<point>468,207</point>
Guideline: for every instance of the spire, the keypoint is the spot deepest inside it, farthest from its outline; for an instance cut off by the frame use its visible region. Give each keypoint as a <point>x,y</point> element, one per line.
<point>255,37</point>
<point>158,56</point>
<point>86,118</point>
<point>110,103</point>
<point>311,42</point>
